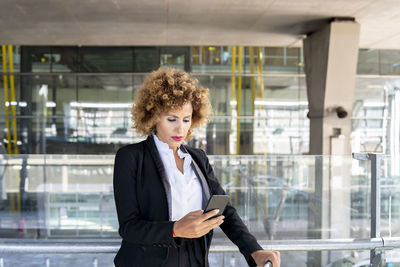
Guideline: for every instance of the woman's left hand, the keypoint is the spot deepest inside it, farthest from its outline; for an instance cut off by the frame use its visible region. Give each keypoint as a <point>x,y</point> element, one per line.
<point>261,257</point>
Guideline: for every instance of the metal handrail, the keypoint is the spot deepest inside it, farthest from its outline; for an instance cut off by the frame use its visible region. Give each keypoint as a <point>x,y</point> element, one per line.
<point>99,246</point>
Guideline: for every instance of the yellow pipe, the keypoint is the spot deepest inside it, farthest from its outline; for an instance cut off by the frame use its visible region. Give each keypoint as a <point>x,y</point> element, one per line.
<point>18,201</point>
<point>252,79</point>
<point>6,100</point>
<point>12,202</point>
<point>233,78</point>
<point>239,99</point>
<point>259,71</point>
<point>12,87</point>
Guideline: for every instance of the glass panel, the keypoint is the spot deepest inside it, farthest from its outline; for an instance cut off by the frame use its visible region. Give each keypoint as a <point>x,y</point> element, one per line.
<point>360,258</point>
<point>211,58</point>
<point>274,116</point>
<point>280,113</point>
<point>55,122</point>
<point>368,61</point>
<point>220,93</point>
<point>303,259</point>
<point>59,260</point>
<point>37,59</point>
<point>390,196</point>
<point>283,195</point>
<point>282,60</point>
<point>373,107</point>
<point>103,112</point>
<point>173,57</point>
<point>18,104</point>
<point>389,62</point>
<point>276,123</point>
<point>65,59</point>
<point>216,259</point>
<point>146,59</point>
<point>49,94</point>
<point>16,58</point>
<point>106,59</point>
<point>38,135</point>
<point>10,132</point>
<point>60,138</point>
<point>219,59</point>
<point>63,202</point>
<point>277,197</point>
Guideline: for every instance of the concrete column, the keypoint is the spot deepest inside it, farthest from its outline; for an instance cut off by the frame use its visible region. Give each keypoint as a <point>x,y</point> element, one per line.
<point>330,64</point>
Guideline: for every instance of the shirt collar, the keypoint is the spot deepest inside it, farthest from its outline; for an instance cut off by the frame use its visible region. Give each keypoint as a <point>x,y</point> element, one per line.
<point>161,146</point>
<point>164,147</point>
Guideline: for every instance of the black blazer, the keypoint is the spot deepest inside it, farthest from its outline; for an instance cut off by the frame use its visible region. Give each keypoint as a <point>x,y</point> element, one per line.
<point>142,196</point>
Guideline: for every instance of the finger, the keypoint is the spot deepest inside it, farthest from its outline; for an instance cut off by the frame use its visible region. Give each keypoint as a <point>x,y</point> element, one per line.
<point>206,230</point>
<point>278,256</point>
<point>194,215</point>
<point>276,261</point>
<point>196,212</point>
<point>212,223</point>
<point>213,220</point>
<point>209,214</point>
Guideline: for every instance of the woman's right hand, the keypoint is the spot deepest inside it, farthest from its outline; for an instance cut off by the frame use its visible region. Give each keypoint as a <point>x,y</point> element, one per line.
<point>196,224</point>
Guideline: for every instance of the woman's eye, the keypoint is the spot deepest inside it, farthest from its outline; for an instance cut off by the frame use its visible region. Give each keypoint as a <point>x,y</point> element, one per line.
<point>186,120</point>
<point>171,120</point>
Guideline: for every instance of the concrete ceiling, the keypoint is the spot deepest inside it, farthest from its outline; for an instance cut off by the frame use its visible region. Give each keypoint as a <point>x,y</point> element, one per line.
<point>191,22</point>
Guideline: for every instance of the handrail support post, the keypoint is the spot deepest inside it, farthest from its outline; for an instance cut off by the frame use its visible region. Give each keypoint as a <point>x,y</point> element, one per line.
<point>376,256</point>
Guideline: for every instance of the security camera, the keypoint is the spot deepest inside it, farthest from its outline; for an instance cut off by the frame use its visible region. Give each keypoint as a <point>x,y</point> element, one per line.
<point>341,112</point>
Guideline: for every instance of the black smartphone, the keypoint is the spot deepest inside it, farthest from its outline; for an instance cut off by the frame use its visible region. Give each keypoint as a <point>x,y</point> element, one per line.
<point>217,202</point>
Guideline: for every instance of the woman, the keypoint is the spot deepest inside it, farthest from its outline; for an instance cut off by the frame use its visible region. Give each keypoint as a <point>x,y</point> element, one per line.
<point>161,185</point>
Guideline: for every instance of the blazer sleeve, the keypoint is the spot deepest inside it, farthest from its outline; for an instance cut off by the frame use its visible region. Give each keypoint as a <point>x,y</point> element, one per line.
<point>233,225</point>
<point>133,228</point>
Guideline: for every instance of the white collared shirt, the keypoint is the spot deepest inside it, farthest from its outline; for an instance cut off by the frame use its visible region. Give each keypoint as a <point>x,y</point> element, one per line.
<point>186,190</point>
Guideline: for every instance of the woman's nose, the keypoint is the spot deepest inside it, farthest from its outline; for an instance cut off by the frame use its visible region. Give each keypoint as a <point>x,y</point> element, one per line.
<point>180,126</point>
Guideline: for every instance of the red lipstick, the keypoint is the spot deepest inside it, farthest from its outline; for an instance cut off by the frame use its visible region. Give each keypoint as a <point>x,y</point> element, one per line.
<point>177,138</point>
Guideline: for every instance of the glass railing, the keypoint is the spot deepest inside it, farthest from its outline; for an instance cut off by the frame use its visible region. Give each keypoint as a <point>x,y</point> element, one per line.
<point>286,199</point>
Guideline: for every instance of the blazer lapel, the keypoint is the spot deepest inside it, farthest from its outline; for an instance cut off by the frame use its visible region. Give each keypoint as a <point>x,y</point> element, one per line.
<point>160,167</point>
<point>200,175</point>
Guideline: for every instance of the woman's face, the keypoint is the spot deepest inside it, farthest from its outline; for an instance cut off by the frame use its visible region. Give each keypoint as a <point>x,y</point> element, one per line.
<point>174,125</point>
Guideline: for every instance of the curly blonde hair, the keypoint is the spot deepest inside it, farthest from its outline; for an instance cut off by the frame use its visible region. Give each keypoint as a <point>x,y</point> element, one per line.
<point>165,90</point>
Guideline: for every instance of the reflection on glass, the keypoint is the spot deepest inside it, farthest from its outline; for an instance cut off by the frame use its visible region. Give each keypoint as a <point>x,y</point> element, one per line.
<point>275,196</point>
<point>272,60</point>
<point>102,115</point>
<point>389,62</point>
<point>174,57</point>
<point>65,59</point>
<point>368,61</point>
<point>106,59</point>
<point>39,59</point>
<point>390,197</point>
<point>372,115</point>
<point>278,197</point>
